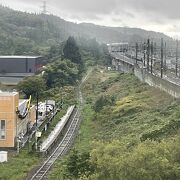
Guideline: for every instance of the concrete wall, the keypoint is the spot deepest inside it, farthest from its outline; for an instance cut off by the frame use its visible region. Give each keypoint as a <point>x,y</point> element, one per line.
<point>13,125</point>
<point>122,66</point>
<point>152,80</point>
<point>156,81</point>
<point>19,65</point>
<point>8,105</point>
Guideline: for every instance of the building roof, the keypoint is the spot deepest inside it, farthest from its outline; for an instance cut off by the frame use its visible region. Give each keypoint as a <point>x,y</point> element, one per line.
<point>117,44</point>
<point>19,57</point>
<point>8,93</point>
<point>10,81</point>
<point>16,74</point>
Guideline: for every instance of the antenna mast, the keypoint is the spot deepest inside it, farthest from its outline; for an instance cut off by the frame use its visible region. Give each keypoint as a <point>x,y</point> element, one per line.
<point>44,8</point>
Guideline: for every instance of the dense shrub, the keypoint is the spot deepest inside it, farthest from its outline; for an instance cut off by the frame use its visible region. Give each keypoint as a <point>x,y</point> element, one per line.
<point>103,100</point>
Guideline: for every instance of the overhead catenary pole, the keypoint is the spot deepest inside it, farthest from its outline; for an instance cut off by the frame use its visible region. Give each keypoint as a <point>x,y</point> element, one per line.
<point>144,54</point>
<point>142,51</point>
<point>155,53</point>
<point>162,57</point>
<point>152,56</point>
<point>136,52</point>
<point>176,70</point>
<point>165,64</point>
<point>155,50</point>
<point>148,53</point>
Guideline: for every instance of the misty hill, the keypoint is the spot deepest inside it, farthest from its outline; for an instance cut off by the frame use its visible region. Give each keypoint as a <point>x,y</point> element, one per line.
<point>22,33</point>
<point>119,34</point>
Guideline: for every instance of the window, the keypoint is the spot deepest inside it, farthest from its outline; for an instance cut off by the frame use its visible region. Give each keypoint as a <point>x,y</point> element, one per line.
<point>2,129</point>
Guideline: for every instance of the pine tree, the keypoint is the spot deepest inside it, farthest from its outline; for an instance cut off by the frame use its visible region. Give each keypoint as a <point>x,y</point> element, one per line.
<point>71,52</point>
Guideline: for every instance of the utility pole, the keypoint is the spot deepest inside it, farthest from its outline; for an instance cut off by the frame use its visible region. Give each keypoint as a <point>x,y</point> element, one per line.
<point>155,55</point>
<point>148,52</point>
<point>37,105</point>
<point>176,57</point>
<point>165,68</point>
<point>161,57</point>
<point>151,56</point>
<point>136,52</point>
<point>144,54</point>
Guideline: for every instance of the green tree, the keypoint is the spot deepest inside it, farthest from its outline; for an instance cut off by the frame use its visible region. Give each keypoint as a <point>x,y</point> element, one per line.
<point>146,161</point>
<point>71,51</point>
<point>60,73</point>
<point>32,85</point>
<point>55,51</point>
<point>78,164</point>
<point>102,101</point>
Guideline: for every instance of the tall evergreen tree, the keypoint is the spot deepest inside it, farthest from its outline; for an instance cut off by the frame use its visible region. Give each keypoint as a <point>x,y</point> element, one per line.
<point>71,52</point>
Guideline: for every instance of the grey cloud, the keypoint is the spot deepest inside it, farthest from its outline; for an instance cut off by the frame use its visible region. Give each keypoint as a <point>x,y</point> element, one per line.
<point>174,28</point>
<point>164,8</point>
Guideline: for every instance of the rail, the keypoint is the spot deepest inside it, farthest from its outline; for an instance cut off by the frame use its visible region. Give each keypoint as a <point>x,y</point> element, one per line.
<point>57,130</point>
<point>61,149</point>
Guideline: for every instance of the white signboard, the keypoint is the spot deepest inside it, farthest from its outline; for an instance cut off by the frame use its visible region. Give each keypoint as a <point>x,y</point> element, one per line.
<point>38,134</point>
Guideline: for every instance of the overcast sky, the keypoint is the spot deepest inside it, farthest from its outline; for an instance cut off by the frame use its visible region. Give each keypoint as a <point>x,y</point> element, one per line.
<point>156,15</point>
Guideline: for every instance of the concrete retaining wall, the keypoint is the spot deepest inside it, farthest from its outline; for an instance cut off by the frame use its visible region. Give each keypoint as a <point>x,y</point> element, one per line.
<point>123,66</point>
<point>152,80</point>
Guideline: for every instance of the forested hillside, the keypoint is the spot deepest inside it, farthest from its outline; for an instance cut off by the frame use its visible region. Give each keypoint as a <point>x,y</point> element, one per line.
<point>24,33</point>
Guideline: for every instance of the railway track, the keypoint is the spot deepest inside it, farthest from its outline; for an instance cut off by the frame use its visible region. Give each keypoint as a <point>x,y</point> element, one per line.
<point>61,149</point>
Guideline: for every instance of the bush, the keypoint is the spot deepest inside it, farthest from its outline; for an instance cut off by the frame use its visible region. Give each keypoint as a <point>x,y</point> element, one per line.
<point>148,160</point>
<point>102,101</point>
<point>78,164</point>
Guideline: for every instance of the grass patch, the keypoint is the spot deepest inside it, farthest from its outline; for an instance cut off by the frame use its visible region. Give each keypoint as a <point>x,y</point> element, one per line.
<point>87,130</point>
<point>18,165</point>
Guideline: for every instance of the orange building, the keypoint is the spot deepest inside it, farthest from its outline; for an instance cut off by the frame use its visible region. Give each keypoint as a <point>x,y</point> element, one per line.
<point>12,124</point>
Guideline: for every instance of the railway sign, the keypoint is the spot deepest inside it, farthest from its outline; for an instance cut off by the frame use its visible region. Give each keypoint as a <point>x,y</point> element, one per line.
<point>38,134</point>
